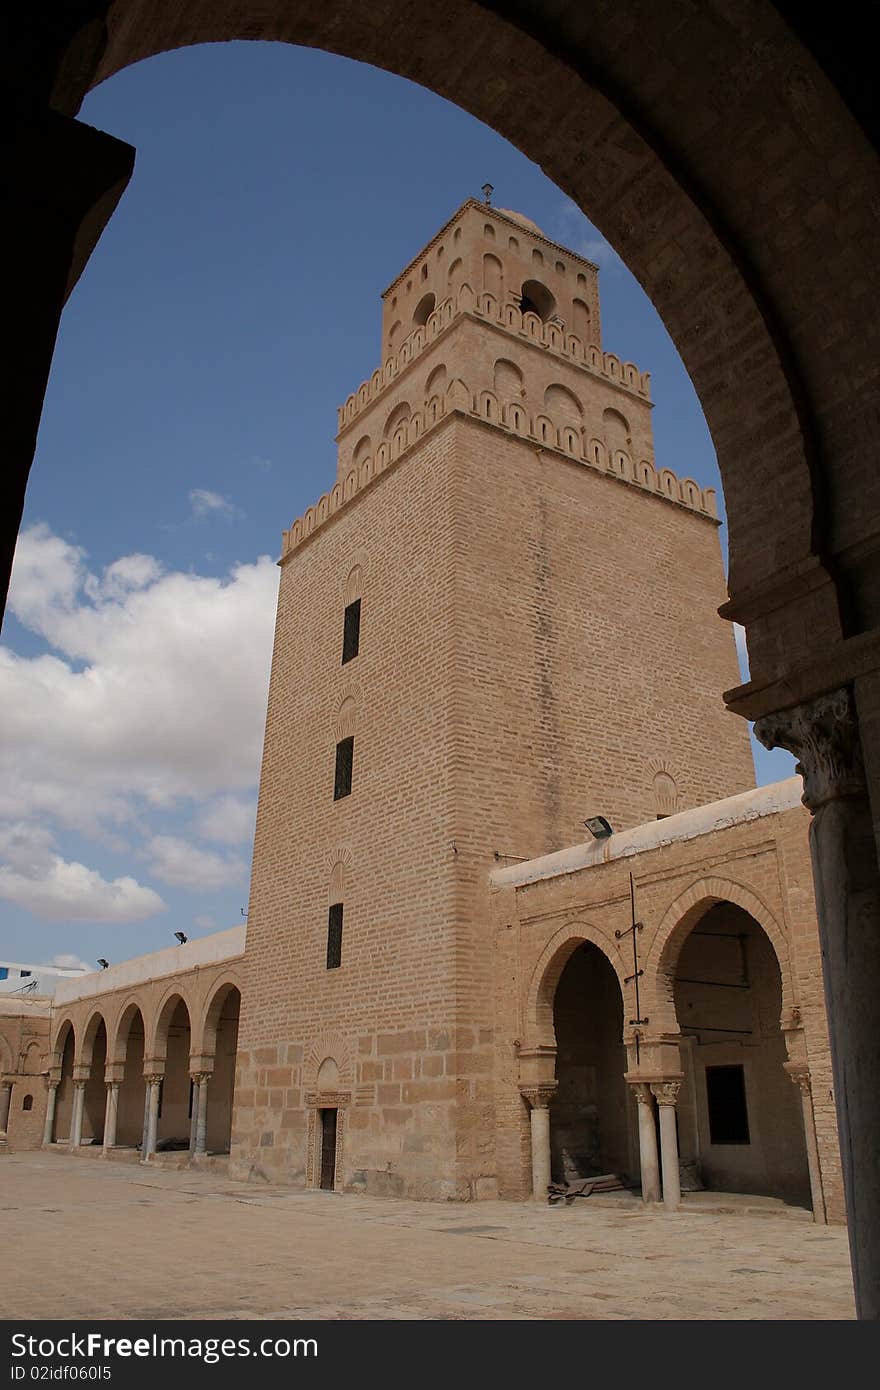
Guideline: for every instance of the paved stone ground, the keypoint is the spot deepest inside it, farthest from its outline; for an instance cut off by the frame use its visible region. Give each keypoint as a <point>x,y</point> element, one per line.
<point>118,1240</point>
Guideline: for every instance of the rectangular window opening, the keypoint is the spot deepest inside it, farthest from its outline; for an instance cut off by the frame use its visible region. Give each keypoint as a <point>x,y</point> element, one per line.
<point>334,936</point>
<point>351,632</point>
<point>344,764</point>
<point>728,1112</point>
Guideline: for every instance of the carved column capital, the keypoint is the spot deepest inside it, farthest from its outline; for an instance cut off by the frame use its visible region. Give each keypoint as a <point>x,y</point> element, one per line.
<point>200,1076</point>
<point>153,1078</point>
<point>666,1092</point>
<point>53,1082</point>
<point>642,1092</point>
<point>800,1076</point>
<point>824,737</point>
<point>79,1085</point>
<point>538,1095</point>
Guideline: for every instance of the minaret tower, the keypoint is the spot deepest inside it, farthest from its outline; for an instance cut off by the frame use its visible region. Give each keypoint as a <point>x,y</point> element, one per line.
<point>502,619</point>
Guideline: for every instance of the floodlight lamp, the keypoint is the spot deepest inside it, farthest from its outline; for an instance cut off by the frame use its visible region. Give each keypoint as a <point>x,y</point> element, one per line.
<point>103,963</point>
<point>598,827</point>
<point>181,937</point>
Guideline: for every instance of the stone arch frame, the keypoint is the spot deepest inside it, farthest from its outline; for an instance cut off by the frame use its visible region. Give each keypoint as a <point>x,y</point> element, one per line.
<point>329,1044</point>
<point>679,920</point>
<point>203,1039</point>
<point>538,1003</point>
<point>597,88</point>
<point>64,1025</point>
<point>156,1042</point>
<point>32,1049</point>
<point>83,1055</point>
<point>117,1042</point>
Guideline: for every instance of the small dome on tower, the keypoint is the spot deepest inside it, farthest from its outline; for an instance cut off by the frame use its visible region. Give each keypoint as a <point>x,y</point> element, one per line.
<point>523,221</point>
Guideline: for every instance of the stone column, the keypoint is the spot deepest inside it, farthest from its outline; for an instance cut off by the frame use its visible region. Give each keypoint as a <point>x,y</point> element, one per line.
<point>146,1125</point>
<point>801,1078</point>
<point>195,1078</point>
<point>5,1102</point>
<point>111,1111</point>
<point>76,1119</point>
<point>539,1098</point>
<point>152,1105</point>
<point>666,1094</point>
<point>49,1122</point>
<point>648,1161</point>
<point>824,736</point>
<point>202,1114</point>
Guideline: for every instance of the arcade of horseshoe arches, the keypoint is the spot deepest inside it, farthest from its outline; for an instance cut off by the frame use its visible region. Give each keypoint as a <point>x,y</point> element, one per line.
<point>730,154</point>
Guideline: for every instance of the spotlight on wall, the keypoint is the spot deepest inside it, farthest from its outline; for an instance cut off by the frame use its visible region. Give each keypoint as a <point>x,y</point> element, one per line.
<point>103,963</point>
<point>488,190</point>
<point>598,827</point>
<point>181,937</point>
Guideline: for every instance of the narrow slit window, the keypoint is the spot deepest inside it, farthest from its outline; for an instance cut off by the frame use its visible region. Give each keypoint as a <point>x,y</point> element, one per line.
<point>728,1112</point>
<point>351,632</point>
<point>344,764</point>
<point>334,936</point>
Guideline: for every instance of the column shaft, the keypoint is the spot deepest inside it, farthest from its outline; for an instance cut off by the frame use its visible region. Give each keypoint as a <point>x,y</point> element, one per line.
<point>49,1122</point>
<point>848,908</point>
<point>666,1094</point>
<point>816,1193</point>
<point>648,1160</point>
<point>539,1119</point>
<point>202,1122</point>
<point>146,1125</point>
<point>152,1116</point>
<point>194,1117</point>
<point>76,1119</point>
<point>826,737</point>
<point>5,1102</point>
<point>111,1113</point>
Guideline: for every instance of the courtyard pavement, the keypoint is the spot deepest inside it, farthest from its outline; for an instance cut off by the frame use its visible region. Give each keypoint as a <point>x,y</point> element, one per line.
<point>92,1239</point>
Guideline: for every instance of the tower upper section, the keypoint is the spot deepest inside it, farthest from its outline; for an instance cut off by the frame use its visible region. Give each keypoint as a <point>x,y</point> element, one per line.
<point>493,321</point>
<point>500,253</point>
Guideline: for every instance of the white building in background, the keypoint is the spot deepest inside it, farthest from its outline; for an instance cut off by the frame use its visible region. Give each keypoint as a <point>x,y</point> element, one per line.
<point>18,978</point>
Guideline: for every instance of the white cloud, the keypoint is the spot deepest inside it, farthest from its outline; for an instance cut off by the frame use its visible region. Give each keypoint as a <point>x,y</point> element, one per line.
<point>184,865</point>
<point>205,503</point>
<point>228,819</point>
<point>205,922</point>
<point>60,890</point>
<point>67,961</point>
<point>156,690</point>
<point>577,232</point>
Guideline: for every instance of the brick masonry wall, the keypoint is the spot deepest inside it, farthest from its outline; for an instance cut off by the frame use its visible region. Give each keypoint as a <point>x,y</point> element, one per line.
<point>527,653</point>
<point>24,1044</point>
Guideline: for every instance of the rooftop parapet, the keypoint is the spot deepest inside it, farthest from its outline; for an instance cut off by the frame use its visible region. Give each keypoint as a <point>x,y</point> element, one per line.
<point>514,419</point>
<point>685,825</point>
<point>173,960</point>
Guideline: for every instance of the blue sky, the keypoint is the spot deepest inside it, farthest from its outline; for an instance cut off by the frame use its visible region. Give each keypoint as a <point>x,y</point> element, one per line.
<point>232,305</point>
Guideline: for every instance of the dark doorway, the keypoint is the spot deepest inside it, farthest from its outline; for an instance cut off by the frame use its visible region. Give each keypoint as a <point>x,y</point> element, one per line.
<point>741,1126</point>
<point>588,1116</point>
<point>328,1149</point>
